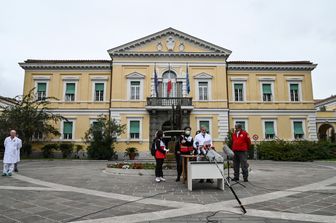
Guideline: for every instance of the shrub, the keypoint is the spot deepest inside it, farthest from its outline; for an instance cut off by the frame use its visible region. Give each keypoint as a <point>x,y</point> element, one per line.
<point>101,136</point>
<point>66,149</point>
<point>79,148</point>
<point>27,149</point>
<point>49,149</point>
<point>296,150</point>
<point>131,150</point>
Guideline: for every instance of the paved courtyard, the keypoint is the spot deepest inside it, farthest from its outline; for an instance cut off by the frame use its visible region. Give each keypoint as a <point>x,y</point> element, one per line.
<point>85,191</point>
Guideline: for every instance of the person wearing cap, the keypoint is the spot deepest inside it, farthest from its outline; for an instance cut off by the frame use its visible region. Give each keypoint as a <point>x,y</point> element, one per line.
<point>184,146</point>
<point>240,145</point>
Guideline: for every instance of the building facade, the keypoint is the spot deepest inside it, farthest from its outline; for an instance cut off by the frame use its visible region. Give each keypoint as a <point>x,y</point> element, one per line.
<point>270,99</point>
<point>326,118</point>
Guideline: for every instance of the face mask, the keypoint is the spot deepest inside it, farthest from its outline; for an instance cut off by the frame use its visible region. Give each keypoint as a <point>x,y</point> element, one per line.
<point>187,132</point>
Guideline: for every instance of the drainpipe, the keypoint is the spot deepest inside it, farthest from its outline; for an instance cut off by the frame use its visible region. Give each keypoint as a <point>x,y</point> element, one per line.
<point>227,92</point>
<point>110,101</point>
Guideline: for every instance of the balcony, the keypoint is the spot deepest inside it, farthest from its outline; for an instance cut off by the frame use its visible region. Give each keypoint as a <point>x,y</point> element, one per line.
<point>166,103</point>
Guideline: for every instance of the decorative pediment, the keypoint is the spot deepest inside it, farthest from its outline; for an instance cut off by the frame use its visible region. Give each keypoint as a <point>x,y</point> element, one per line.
<point>203,76</point>
<point>135,75</point>
<point>169,42</point>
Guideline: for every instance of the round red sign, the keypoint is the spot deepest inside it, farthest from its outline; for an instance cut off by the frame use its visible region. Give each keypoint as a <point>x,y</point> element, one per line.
<point>255,137</point>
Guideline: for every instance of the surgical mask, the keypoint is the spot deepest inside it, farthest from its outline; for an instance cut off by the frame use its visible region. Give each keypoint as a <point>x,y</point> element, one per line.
<point>187,132</point>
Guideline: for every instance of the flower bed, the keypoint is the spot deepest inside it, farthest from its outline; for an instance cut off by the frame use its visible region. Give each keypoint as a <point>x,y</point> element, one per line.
<point>125,165</point>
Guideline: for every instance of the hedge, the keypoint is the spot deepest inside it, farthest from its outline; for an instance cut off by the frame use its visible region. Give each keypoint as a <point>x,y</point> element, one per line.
<point>281,150</point>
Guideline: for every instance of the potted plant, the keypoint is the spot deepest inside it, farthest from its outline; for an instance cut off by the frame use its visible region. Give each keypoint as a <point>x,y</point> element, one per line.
<point>131,152</point>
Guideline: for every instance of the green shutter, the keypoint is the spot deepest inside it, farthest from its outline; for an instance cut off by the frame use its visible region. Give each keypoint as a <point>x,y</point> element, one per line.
<point>294,87</point>
<point>134,127</point>
<point>205,124</point>
<point>67,127</point>
<point>267,88</point>
<point>99,87</point>
<point>269,128</point>
<point>70,88</point>
<point>41,87</point>
<point>298,128</point>
<point>242,124</point>
<point>135,83</point>
<point>238,86</point>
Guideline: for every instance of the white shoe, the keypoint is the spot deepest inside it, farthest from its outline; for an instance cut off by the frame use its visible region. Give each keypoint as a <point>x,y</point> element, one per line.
<point>162,179</point>
<point>157,179</point>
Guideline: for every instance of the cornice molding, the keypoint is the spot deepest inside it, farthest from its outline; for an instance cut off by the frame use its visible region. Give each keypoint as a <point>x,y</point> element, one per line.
<point>64,66</point>
<point>167,54</point>
<point>272,67</point>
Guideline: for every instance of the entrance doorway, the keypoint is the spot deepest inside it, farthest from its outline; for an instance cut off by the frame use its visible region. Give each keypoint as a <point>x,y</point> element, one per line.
<point>326,132</point>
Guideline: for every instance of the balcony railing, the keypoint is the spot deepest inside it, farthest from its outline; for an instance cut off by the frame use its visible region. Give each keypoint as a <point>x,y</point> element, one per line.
<point>165,101</point>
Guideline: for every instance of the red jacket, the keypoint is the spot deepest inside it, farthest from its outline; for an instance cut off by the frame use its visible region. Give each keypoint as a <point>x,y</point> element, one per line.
<point>242,142</point>
<point>160,153</point>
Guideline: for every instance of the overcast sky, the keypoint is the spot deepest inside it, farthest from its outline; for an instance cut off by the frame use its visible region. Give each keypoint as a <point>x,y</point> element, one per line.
<point>252,29</point>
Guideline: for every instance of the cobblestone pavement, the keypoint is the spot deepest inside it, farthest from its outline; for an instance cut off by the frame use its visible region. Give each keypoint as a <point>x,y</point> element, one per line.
<point>84,191</point>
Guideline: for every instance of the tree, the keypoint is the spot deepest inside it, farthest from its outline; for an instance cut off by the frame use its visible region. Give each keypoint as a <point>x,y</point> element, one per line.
<point>28,116</point>
<point>101,136</point>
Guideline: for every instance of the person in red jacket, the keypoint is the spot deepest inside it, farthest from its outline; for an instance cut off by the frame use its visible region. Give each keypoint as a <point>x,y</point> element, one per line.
<point>160,155</point>
<point>240,145</point>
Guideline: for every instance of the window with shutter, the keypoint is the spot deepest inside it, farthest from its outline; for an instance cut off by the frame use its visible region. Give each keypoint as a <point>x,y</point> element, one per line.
<point>267,92</point>
<point>70,90</point>
<point>294,92</point>
<point>298,130</point>
<point>41,91</point>
<point>67,130</point>
<point>206,124</point>
<point>134,129</point>
<point>269,130</point>
<point>99,91</point>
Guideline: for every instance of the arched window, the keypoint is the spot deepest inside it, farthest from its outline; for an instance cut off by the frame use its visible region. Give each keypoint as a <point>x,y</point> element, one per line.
<point>176,85</point>
<point>169,75</point>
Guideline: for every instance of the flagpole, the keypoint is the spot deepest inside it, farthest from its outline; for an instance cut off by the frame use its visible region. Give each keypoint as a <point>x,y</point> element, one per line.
<point>156,81</point>
<point>187,80</point>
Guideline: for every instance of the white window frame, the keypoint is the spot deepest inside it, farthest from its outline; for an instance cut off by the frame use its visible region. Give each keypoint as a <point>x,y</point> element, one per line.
<point>244,89</point>
<point>130,93</point>
<point>73,129</point>
<point>64,90</point>
<point>303,127</point>
<point>129,88</point>
<point>235,120</point>
<point>37,139</point>
<point>94,90</point>
<point>129,119</point>
<point>209,89</point>
<point>262,93</point>
<point>44,82</point>
<point>199,119</point>
<point>300,90</point>
<point>275,126</point>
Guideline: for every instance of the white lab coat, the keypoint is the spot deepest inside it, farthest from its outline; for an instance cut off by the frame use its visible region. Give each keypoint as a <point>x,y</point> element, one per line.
<point>12,150</point>
<point>200,139</point>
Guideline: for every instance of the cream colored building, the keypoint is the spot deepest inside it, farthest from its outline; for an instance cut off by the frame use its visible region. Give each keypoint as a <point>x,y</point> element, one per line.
<point>326,118</point>
<point>271,99</point>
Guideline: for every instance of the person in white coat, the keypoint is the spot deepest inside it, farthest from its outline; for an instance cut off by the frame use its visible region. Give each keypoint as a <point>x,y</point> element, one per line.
<point>12,150</point>
<point>202,143</point>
